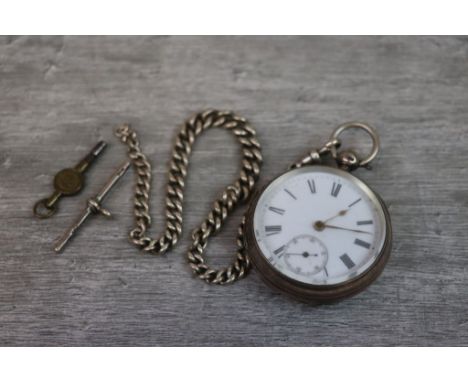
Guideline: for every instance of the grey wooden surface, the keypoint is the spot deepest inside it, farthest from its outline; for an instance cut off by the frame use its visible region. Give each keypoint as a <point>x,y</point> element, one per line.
<point>58,96</point>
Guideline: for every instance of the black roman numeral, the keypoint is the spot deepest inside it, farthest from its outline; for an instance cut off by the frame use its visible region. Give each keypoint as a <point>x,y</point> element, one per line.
<point>290,194</point>
<point>335,189</point>
<point>312,188</point>
<point>272,229</point>
<point>362,243</point>
<point>279,250</point>
<point>347,261</point>
<point>355,202</point>
<point>279,211</point>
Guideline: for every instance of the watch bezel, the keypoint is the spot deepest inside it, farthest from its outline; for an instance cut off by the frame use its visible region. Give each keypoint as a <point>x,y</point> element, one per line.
<point>309,292</point>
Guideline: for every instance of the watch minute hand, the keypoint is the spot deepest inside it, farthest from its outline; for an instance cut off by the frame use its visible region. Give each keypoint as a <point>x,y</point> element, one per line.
<point>347,229</point>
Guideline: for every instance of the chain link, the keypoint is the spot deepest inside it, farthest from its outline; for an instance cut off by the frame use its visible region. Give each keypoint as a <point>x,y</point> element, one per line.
<point>234,194</point>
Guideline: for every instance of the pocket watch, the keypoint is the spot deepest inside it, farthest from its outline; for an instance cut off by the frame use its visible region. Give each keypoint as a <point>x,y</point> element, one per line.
<point>317,232</point>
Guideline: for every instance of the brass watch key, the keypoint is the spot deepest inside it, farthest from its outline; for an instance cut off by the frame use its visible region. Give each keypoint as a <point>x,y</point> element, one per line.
<point>67,182</point>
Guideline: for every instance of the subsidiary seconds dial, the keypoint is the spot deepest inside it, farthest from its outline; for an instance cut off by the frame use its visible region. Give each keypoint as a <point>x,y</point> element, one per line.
<point>305,255</point>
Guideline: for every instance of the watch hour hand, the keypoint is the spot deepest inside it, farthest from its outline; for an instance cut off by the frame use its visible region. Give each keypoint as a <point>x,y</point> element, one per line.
<point>341,213</point>
<point>320,225</point>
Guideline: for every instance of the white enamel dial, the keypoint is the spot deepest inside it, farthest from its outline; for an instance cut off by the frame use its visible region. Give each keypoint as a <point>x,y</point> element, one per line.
<point>319,225</point>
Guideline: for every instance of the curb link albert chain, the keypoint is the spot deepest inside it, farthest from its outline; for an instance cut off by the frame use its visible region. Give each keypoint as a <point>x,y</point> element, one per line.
<point>235,193</point>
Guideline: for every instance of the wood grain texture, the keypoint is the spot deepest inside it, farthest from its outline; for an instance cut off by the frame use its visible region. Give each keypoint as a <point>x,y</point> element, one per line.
<point>58,96</point>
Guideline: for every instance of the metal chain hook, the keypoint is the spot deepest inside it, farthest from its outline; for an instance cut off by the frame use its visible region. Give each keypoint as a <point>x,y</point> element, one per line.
<point>315,156</point>
<point>346,159</point>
